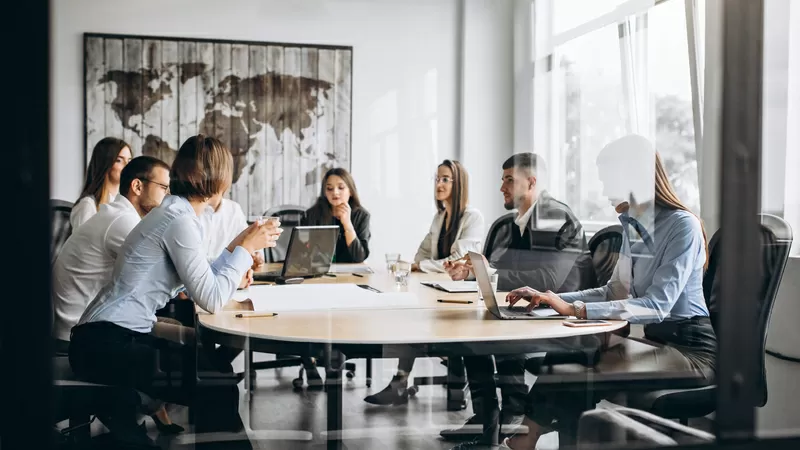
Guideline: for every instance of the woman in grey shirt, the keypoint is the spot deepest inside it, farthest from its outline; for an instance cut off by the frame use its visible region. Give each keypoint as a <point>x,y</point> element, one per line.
<point>164,253</point>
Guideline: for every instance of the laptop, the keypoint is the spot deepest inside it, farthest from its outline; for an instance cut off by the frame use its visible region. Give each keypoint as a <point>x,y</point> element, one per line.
<point>309,255</point>
<point>481,269</point>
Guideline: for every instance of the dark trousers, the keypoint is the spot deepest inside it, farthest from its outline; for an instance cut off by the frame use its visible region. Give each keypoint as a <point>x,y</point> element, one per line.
<point>483,385</point>
<point>106,353</point>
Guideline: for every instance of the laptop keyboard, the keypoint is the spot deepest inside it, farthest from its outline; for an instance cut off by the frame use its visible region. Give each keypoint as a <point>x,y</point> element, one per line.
<point>517,311</point>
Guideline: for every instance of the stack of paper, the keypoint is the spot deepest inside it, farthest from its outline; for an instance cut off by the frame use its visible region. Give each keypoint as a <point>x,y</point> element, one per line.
<point>310,297</point>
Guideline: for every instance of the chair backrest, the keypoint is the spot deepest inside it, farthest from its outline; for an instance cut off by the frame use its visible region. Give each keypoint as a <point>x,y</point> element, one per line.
<point>604,247</point>
<point>776,243</point>
<point>290,217</point>
<point>60,211</point>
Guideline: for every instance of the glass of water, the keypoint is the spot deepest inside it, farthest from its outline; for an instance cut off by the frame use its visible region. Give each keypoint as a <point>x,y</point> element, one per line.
<point>401,271</point>
<point>391,260</point>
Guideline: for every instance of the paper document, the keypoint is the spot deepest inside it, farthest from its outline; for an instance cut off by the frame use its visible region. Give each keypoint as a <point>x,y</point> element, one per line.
<point>310,297</point>
<point>350,268</point>
<point>453,286</point>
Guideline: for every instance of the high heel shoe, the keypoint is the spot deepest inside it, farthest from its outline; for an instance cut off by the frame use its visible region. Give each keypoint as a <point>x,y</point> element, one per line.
<point>396,393</point>
<point>166,428</point>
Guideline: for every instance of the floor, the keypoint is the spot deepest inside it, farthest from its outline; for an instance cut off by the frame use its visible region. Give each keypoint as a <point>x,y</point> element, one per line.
<point>278,417</point>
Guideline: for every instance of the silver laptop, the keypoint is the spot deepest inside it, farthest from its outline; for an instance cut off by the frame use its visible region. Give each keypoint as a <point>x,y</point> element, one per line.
<point>481,269</point>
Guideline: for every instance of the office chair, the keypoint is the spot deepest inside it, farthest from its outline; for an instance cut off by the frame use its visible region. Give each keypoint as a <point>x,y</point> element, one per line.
<point>60,211</point>
<point>622,427</point>
<point>776,239</point>
<point>604,247</point>
<point>290,217</point>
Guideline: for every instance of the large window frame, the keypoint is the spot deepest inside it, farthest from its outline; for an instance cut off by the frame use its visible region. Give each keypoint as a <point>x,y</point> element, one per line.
<point>539,56</point>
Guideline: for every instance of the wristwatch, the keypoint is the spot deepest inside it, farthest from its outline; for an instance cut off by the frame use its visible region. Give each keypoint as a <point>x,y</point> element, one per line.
<point>579,309</point>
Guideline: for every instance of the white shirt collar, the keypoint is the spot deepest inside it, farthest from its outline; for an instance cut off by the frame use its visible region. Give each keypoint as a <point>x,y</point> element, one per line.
<point>523,220</point>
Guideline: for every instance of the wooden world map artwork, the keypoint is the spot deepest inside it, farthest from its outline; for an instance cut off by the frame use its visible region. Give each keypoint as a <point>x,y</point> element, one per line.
<point>284,110</point>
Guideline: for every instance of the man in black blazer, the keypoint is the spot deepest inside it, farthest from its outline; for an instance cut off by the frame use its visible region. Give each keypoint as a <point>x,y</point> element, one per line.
<point>542,245</point>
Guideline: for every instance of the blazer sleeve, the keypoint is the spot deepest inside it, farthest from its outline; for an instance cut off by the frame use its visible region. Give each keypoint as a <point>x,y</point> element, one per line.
<point>424,250</point>
<point>469,240</point>
<point>359,248</point>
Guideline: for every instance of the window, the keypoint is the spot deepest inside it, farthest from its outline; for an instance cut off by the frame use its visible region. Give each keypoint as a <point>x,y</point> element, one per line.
<point>609,68</point>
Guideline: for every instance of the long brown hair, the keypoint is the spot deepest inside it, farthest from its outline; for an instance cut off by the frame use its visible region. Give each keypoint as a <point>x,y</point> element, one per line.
<point>666,197</point>
<point>459,198</point>
<point>324,205</point>
<point>104,155</point>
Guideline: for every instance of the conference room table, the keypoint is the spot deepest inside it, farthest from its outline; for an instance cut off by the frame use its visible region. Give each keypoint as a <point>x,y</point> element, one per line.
<point>429,328</point>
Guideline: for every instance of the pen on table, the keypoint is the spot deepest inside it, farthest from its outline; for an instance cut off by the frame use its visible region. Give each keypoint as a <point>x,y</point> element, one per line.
<point>254,314</point>
<point>358,275</point>
<point>460,302</point>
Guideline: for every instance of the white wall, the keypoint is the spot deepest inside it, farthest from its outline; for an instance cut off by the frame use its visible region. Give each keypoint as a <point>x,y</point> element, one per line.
<point>488,103</point>
<point>405,85</point>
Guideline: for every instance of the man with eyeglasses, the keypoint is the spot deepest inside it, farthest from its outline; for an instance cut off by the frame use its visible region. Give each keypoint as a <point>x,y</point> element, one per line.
<point>87,258</point>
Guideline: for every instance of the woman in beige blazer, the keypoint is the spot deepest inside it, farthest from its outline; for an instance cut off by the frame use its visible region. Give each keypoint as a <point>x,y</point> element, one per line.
<point>456,230</point>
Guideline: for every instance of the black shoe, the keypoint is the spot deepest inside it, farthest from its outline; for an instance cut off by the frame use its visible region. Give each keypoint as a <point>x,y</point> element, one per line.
<point>396,393</point>
<point>314,381</point>
<point>472,429</point>
<point>166,429</point>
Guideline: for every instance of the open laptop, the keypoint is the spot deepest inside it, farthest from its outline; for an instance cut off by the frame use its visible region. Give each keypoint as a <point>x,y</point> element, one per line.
<point>310,254</point>
<point>481,269</point>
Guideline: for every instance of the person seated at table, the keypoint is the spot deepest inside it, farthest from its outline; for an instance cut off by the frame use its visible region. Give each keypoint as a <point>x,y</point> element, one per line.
<point>456,230</point>
<point>542,245</point>
<point>87,259</point>
<point>112,343</point>
<point>658,282</point>
<point>338,204</point>
<point>109,156</point>
<point>222,221</point>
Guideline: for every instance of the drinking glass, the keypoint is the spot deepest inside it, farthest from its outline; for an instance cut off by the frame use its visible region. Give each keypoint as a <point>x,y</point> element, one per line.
<point>391,260</point>
<point>401,271</point>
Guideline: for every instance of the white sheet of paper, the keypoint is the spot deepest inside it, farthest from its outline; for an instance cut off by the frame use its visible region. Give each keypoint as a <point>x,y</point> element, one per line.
<point>350,268</point>
<point>458,286</point>
<point>310,297</point>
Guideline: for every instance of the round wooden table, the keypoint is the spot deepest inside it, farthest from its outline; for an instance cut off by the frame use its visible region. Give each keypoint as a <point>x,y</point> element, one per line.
<point>431,329</point>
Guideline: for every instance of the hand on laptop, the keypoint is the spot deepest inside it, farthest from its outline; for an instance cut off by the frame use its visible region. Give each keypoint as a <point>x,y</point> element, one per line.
<point>534,298</point>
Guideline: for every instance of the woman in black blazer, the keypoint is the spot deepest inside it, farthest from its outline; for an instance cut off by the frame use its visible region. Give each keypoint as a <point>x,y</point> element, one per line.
<point>338,204</point>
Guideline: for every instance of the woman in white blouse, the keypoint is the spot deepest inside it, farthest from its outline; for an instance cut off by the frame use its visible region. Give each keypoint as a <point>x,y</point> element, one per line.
<point>456,230</point>
<point>109,157</point>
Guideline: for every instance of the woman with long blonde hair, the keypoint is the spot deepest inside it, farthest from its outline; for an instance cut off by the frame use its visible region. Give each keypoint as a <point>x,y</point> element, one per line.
<point>658,282</point>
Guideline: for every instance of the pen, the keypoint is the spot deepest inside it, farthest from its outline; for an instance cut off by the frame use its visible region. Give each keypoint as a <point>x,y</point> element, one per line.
<point>460,302</point>
<point>358,275</point>
<point>254,314</point>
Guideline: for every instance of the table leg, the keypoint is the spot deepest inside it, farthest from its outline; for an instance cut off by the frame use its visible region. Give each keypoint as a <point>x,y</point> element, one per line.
<point>456,384</point>
<point>334,365</point>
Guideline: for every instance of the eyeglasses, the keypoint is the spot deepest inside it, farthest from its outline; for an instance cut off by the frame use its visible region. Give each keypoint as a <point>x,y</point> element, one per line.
<point>445,180</point>
<point>163,186</point>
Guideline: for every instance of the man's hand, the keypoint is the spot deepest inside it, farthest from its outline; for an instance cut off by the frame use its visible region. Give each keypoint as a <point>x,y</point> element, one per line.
<point>258,259</point>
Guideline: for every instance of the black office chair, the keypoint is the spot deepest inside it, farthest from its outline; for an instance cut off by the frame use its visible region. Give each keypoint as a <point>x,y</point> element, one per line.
<point>60,211</point>
<point>776,239</point>
<point>604,247</point>
<point>290,217</point>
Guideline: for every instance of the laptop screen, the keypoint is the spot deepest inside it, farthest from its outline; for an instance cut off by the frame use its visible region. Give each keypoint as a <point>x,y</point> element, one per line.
<point>481,269</point>
<point>310,251</point>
